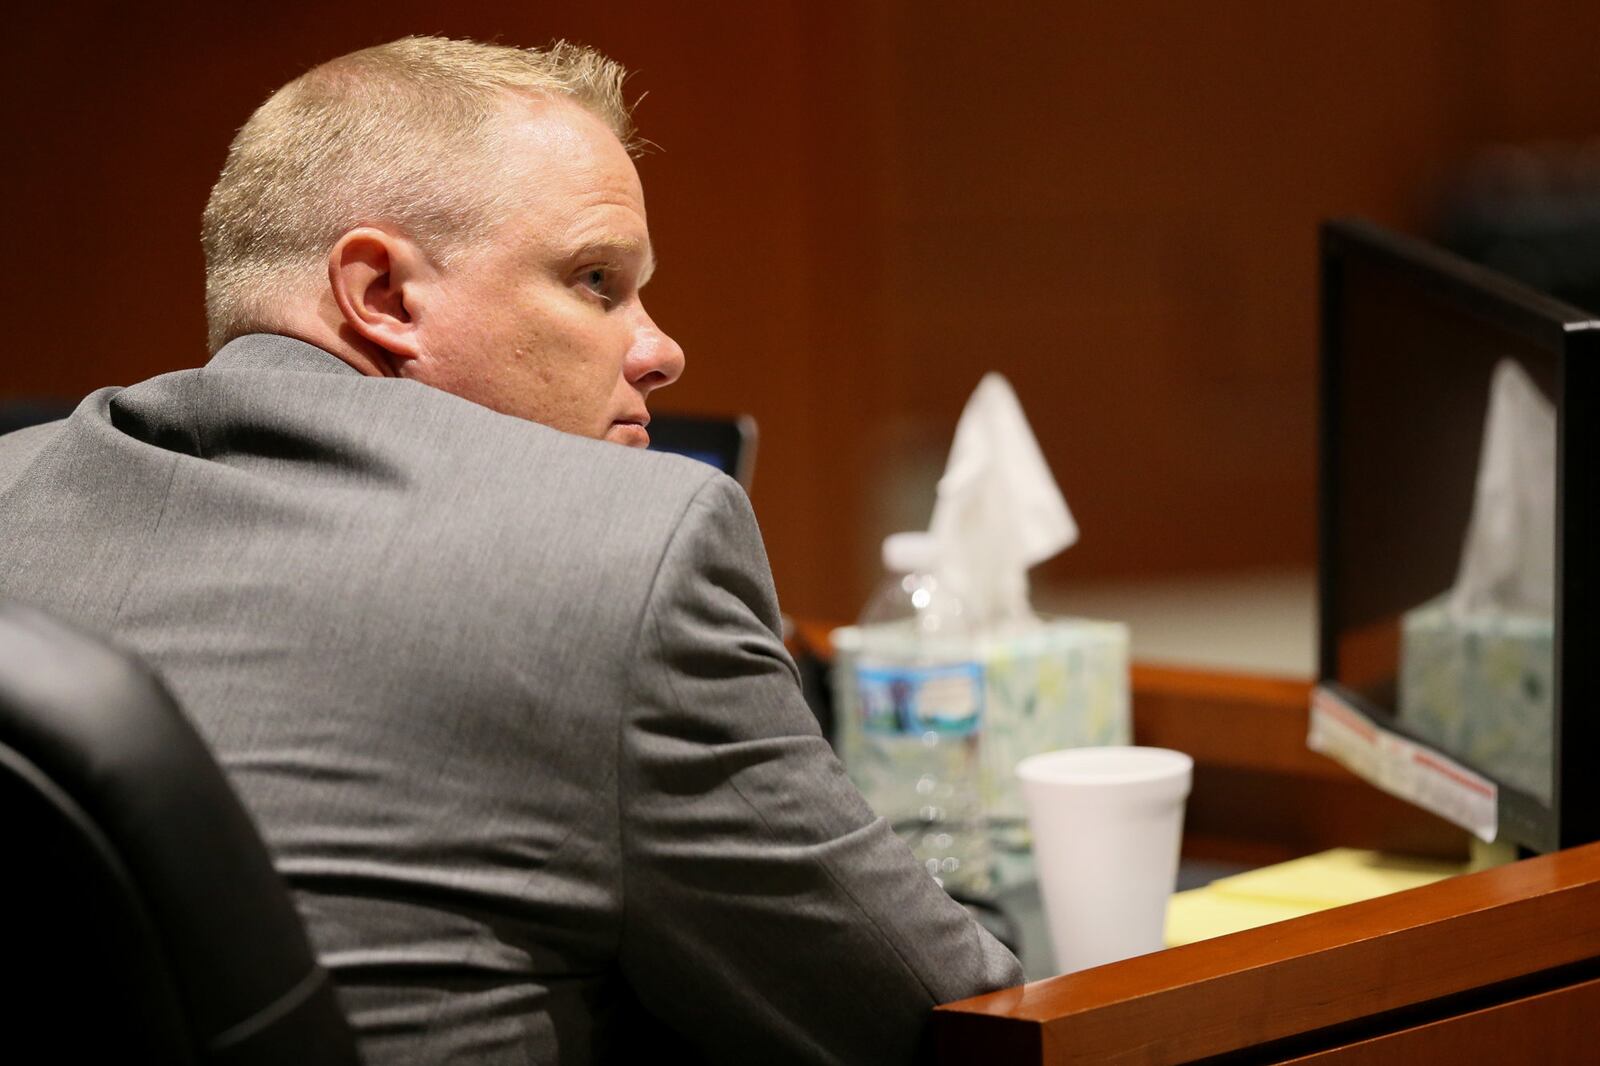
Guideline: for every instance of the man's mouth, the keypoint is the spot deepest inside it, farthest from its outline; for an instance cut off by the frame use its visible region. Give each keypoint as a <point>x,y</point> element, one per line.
<point>630,431</point>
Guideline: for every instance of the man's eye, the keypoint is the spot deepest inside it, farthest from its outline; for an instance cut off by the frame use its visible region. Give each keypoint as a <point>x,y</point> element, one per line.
<point>598,281</point>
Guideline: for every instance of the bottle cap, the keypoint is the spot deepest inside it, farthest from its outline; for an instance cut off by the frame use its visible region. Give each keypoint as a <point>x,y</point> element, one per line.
<point>910,553</point>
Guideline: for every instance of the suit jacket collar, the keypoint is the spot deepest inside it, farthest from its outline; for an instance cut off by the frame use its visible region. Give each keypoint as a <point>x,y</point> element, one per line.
<point>270,351</point>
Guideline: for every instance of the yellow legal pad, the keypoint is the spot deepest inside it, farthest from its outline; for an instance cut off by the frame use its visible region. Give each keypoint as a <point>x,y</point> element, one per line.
<point>1290,889</point>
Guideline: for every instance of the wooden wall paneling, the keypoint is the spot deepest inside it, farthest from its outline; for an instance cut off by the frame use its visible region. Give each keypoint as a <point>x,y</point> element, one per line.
<point>861,207</point>
<point>1123,220</point>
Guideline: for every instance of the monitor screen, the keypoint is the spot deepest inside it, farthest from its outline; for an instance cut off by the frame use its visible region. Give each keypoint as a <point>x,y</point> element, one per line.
<point>1442,583</point>
<point>729,443</point>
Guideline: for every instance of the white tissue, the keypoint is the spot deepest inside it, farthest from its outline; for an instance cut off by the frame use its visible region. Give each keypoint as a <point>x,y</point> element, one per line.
<point>998,510</point>
<point>1508,558</point>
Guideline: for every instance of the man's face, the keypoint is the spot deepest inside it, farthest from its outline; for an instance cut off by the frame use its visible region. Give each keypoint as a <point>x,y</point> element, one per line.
<point>543,319</point>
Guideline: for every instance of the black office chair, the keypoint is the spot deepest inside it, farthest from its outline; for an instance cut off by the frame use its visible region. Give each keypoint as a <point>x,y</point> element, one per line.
<point>143,920</point>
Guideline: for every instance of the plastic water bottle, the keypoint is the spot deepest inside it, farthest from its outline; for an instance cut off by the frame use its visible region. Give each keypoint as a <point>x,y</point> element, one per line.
<point>920,689</point>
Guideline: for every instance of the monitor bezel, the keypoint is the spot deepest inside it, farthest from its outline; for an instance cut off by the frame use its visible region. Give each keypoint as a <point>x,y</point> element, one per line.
<point>1573,337</point>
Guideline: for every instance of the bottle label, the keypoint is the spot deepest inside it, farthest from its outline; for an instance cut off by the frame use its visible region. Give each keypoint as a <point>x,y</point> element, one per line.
<point>946,699</point>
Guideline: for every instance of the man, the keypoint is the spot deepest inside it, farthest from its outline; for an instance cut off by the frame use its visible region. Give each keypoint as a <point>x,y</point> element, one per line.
<point>507,700</point>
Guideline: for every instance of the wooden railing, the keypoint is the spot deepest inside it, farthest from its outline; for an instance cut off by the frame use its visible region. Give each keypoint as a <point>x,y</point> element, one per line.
<point>1501,966</point>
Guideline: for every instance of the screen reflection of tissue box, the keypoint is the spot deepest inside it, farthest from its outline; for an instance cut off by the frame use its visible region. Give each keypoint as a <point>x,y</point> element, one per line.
<point>1062,684</point>
<point>1479,687</point>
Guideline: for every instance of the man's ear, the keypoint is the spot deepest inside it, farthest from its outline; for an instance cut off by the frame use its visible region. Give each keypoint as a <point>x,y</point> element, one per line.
<point>376,278</point>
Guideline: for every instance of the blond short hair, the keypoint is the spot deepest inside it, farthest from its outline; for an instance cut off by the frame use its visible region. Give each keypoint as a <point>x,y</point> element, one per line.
<point>403,134</point>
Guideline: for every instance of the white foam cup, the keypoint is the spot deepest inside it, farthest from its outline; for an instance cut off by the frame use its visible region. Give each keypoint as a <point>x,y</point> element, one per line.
<point>1107,825</point>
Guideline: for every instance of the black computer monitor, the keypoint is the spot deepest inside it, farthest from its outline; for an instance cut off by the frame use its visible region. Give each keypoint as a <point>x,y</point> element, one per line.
<point>1465,696</point>
<point>727,443</point>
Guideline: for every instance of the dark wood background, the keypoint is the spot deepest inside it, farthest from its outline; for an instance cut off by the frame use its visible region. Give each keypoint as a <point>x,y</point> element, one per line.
<point>859,208</point>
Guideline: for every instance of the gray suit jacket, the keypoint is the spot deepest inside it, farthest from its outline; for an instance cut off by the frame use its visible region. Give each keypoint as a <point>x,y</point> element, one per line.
<point>509,707</point>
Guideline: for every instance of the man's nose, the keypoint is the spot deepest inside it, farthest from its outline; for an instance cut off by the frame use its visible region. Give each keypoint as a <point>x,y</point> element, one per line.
<point>656,359</point>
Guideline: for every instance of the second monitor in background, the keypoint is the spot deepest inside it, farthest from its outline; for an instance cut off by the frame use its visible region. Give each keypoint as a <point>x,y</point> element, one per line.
<point>727,443</point>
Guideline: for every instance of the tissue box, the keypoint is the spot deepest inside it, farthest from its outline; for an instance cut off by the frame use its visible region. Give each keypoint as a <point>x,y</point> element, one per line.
<point>1061,684</point>
<point>1479,686</point>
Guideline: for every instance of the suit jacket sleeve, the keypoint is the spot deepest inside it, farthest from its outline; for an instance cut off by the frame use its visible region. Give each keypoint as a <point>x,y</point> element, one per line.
<point>767,913</point>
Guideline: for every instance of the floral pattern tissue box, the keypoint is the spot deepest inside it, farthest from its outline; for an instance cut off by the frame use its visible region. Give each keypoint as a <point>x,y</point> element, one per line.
<point>1061,684</point>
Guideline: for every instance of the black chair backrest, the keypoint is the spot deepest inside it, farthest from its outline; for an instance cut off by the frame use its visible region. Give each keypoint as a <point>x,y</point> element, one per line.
<point>145,922</point>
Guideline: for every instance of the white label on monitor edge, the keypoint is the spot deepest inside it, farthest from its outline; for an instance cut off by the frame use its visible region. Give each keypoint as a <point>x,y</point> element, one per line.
<point>1402,767</point>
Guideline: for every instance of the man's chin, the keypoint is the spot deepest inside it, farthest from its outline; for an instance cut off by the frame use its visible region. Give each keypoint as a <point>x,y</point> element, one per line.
<point>629,434</point>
